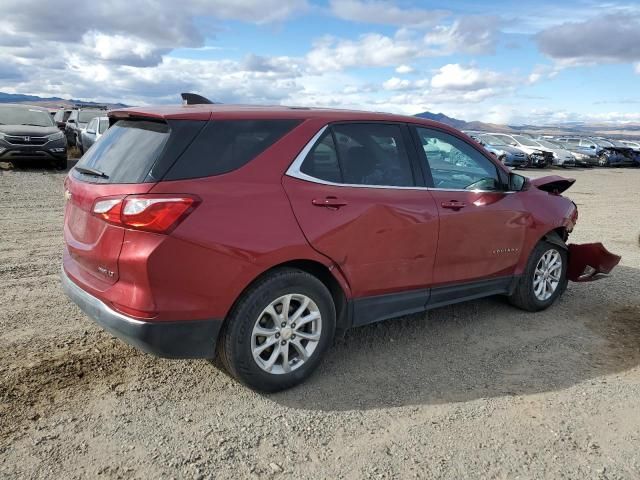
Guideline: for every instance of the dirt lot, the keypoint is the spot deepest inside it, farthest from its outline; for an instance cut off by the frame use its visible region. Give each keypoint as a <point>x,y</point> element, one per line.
<point>474,390</point>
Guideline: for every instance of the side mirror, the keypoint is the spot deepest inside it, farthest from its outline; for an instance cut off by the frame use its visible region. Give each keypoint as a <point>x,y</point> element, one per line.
<point>517,182</point>
<point>71,121</point>
<point>592,146</point>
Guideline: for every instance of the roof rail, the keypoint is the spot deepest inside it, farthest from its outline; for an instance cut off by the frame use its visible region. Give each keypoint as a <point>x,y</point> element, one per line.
<point>194,99</point>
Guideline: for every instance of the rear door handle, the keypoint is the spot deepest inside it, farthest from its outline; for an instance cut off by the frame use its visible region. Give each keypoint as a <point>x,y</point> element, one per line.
<point>453,205</point>
<point>329,202</point>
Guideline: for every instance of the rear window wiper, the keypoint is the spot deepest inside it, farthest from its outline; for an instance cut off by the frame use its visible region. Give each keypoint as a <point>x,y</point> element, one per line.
<point>91,171</point>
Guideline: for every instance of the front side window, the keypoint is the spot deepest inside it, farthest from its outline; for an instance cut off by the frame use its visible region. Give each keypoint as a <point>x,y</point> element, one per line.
<point>455,164</point>
<point>91,128</point>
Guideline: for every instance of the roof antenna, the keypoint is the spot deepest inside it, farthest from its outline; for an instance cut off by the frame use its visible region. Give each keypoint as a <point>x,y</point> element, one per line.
<point>194,99</point>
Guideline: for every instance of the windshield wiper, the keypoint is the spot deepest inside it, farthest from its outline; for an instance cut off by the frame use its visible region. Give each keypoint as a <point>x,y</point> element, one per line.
<point>91,171</point>
<point>35,125</point>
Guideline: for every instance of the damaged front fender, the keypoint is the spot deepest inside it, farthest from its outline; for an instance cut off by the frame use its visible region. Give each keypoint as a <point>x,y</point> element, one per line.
<point>590,261</point>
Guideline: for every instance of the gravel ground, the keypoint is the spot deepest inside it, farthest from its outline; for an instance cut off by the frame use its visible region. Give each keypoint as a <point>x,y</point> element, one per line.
<point>474,390</point>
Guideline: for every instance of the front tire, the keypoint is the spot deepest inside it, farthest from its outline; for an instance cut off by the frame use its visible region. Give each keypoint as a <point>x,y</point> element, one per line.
<point>603,160</point>
<point>278,331</point>
<point>544,279</point>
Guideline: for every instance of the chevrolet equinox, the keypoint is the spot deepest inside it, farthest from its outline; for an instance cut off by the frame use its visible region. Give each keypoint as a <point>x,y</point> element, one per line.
<point>257,234</point>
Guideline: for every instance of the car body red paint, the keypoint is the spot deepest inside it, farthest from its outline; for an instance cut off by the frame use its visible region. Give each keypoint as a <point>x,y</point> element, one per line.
<point>252,219</point>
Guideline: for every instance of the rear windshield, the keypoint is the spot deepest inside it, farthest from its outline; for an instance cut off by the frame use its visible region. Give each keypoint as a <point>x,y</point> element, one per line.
<point>126,152</point>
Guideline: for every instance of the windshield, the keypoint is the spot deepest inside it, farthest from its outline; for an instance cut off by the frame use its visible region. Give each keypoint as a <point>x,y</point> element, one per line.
<point>525,141</point>
<point>18,115</point>
<point>491,140</point>
<point>603,143</point>
<point>86,115</point>
<point>547,144</point>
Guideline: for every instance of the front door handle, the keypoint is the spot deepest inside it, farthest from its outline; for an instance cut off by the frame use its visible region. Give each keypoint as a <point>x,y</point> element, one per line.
<point>453,205</point>
<point>329,202</point>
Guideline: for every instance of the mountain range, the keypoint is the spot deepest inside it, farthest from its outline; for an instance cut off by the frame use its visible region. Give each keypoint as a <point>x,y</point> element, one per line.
<point>619,130</point>
<point>51,102</point>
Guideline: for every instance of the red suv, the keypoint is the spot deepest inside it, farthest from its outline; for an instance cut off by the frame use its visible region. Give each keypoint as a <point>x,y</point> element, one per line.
<point>257,234</point>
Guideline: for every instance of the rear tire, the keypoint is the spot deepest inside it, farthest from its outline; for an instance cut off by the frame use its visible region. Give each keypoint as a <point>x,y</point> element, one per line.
<point>544,279</point>
<point>259,319</point>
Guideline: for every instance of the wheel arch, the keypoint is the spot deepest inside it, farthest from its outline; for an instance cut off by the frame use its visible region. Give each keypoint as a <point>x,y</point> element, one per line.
<point>330,276</point>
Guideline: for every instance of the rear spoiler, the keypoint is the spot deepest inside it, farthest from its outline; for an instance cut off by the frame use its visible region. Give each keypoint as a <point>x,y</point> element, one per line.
<point>195,99</point>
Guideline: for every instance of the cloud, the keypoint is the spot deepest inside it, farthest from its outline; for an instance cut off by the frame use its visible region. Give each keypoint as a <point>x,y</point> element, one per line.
<point>609,38</point>
<point>147,29</point>
<point>637,68</point>
<point>402,69</point>
<point>476,34</point>
<point>455,77</point>
<point>473,35</point>
<point>385,13</point>
<point>396,83</point>
<point>370,50</point>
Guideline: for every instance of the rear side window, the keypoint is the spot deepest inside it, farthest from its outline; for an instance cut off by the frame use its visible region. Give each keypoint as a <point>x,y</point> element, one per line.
<point>226,145</point>
<point>322,160</point>
<point>127,151</point>
<point>361,154</point>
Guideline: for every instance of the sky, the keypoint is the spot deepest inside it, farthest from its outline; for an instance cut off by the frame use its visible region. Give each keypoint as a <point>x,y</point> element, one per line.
<point>497,61</point>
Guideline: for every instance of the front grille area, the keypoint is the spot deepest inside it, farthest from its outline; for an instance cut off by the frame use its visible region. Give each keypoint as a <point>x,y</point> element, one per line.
<point>25,140</point>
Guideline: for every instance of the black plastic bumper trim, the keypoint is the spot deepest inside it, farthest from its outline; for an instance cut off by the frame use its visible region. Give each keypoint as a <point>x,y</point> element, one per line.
<point>174,339</point>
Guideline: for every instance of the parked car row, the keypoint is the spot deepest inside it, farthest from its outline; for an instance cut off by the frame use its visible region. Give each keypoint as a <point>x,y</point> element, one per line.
<point>29,132</point>
<point>525,150</point>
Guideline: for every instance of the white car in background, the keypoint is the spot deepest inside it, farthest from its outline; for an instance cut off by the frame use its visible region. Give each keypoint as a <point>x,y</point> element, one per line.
<point>561,157</point>
<point>537,156</point>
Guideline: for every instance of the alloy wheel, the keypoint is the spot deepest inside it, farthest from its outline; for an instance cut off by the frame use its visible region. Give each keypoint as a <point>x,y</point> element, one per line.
<point>286,334</point>
<point>546,276</point>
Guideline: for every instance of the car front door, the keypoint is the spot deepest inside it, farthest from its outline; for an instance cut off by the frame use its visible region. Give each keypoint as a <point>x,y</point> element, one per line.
<point>482,226</point>
<point>358,197</point>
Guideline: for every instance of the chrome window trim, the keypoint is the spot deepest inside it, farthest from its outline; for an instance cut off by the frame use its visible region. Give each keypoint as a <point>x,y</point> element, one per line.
<point>295,172</point>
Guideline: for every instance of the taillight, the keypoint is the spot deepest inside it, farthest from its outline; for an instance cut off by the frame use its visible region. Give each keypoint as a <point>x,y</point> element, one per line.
<point>153,213</point>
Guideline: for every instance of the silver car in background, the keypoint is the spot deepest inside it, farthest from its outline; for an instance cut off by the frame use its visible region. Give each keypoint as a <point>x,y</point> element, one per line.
<point>95,128</point>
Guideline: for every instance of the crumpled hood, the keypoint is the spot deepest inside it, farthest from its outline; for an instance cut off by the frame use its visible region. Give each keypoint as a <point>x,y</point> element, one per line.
<point>28,130</point>
<point>553,183</point>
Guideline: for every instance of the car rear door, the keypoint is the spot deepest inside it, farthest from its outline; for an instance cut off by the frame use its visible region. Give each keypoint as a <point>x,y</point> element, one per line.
<point>482,227</point>
<point>358,198</point>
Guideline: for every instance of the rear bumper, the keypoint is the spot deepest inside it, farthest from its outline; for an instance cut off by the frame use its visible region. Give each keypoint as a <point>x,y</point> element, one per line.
<point>174,339</point>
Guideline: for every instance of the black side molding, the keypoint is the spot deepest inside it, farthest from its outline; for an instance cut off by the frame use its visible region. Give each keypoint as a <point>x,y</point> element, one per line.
<point>367,310</point>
